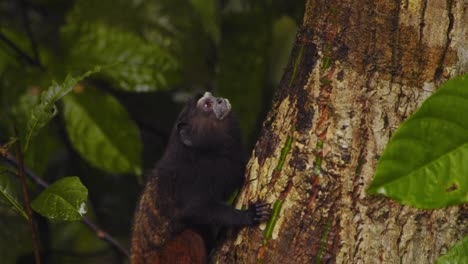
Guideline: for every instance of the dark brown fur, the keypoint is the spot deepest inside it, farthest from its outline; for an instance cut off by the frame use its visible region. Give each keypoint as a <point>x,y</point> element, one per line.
<point>184,197</point>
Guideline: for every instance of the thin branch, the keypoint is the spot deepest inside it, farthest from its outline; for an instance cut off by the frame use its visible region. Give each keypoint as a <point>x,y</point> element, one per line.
<point>13,161</point>
<point>27,203</point>
<point>81,254</point>
<point>105,236</point>
<point>95,228</point>
<point>21,53</point>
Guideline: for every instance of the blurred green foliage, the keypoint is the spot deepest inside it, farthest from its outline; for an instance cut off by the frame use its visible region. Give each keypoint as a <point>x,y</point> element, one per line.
<point>109,124</point>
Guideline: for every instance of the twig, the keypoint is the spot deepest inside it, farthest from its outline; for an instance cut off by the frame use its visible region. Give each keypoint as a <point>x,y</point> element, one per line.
<point>20,159</point>
<point>105,236</point>
<point>96,229</point>
<point>21,53</point>
<point>38,180</point>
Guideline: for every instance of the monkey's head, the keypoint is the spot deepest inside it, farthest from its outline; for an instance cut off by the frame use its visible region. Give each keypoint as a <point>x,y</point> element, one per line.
<point>216,107</point>
<point>207,122</point>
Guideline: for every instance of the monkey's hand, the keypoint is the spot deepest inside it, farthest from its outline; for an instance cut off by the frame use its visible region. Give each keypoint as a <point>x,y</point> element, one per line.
<point>222,214</point>
<point>259,212</point>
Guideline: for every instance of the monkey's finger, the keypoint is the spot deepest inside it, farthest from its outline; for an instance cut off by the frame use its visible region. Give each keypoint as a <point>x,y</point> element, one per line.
<point>264,213</point>
<point>264,210</point>
<point>262,205</point>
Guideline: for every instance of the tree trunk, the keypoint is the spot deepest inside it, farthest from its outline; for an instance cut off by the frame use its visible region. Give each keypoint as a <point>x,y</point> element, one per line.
<point>357,70</point>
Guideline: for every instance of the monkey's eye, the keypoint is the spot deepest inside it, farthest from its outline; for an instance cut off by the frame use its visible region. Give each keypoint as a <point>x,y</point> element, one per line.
<point>207,105</point>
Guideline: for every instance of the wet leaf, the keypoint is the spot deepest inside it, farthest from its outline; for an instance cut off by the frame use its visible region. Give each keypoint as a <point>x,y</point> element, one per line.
<point>134,64</point>
<point>456,254</point>
<point>425,163</point>
<point>45,110</point>
<point>101,130</point>
<point>63,200</point>
<point>10,189</point>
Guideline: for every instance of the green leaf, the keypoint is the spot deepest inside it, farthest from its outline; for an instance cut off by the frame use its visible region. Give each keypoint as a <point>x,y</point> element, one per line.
<point>135,65</point>
<point>101,130</point>
<point>425,163</point>
<point>124,14</point>
<point>10,189</point>
<point>63,200</point>
<point>166,25</point>
<point>162,22</point>
<point>45,110</point>
<point>458,253</point>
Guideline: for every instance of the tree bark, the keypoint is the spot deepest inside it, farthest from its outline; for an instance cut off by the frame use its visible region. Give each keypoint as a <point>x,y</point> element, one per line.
<point>357,70</point>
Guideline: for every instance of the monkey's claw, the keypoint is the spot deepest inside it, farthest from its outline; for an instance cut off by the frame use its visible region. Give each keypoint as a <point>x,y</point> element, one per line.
<point>261,211</point>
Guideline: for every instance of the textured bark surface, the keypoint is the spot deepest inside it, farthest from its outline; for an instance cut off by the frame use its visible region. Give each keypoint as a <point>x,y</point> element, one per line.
<point>357,70</point>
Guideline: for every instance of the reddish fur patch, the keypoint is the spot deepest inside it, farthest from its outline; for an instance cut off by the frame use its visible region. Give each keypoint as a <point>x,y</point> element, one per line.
<point>187,248</point>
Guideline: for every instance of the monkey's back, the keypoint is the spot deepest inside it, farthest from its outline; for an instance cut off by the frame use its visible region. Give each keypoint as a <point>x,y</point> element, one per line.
<point>151,228</point>
<point>159,236</point>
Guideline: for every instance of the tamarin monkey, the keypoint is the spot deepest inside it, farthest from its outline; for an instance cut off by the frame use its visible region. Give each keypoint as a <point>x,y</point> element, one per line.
<point>184,199</point>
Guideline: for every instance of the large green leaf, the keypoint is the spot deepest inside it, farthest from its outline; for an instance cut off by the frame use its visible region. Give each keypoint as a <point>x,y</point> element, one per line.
<point>45,110</point>
<point>135,65</point>
<point>167,26</point>
<point>123,14</point>
<point>425,163</point>
<point>63,200</point>
<point>162,19</point>
<point>48,140</point>
<point>101,130</point>
<point>458,253</point>
<point>10,189</point>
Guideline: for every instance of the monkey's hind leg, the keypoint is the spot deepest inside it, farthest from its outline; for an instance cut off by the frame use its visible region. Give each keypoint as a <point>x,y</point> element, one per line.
<point>186,248</point>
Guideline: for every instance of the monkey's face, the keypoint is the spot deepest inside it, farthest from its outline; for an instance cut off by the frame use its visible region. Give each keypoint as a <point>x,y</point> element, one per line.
<point>207,122</point>
<point>217,106</point>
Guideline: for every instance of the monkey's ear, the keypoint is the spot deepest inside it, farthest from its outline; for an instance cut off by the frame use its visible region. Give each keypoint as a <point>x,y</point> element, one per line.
<point>183,130</point>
